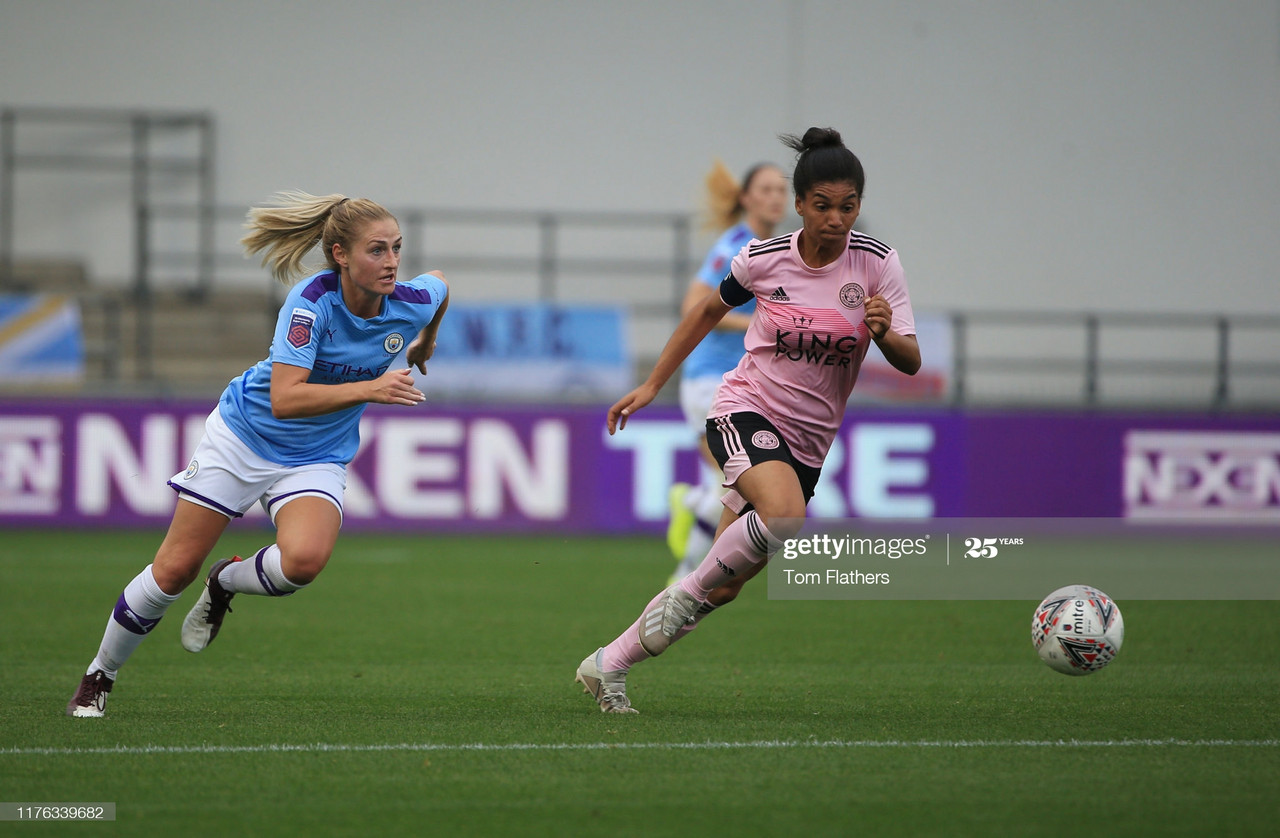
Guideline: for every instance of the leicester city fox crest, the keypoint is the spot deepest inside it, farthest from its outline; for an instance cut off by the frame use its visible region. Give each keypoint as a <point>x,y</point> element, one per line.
<point>764,439</point>
<point>852,295</point>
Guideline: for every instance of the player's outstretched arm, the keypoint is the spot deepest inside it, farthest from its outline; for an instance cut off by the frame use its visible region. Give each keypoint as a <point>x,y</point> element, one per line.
<point>293,397</point>
<point>423,346</point>
<point>697,293</point>
<point>693,327</point>
<point>629,404</point>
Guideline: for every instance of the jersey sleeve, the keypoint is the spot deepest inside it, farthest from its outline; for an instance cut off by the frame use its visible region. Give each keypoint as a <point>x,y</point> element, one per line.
<point>299,326</point>
<point>893,287</point>
<point>735,289</point>
<point>430,290</point>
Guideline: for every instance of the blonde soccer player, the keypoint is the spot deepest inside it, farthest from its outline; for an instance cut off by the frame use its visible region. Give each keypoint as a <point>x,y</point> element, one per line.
<point>283,431</point>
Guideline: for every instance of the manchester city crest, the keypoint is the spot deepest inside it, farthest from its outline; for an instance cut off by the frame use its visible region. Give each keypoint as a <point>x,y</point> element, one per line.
<point>394,343</point>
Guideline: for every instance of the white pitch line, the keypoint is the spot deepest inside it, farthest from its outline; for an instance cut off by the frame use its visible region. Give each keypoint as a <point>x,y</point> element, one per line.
<point>144,750</point>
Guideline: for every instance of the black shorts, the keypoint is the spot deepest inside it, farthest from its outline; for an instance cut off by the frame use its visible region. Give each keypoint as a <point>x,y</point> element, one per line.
<point>736,436</point>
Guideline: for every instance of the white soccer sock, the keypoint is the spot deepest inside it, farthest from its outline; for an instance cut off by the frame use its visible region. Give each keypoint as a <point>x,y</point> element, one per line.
<point>695,549</point>
<point>137,612</point>
<point>693,498</point>
<point>710,479</point>
<point>704,500</point>
<point>709,506</point>
<point>260,575</point>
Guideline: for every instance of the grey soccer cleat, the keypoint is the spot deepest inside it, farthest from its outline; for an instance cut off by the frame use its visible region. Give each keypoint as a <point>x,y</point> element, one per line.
<point>674,610</point>
<point>205,617</point>
<point>90,700</point>
<point>609,689</point>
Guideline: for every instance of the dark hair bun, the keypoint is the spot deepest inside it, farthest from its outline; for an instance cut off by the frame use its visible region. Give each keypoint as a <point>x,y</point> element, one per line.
<point>820,138</point>
<point>822,158</point>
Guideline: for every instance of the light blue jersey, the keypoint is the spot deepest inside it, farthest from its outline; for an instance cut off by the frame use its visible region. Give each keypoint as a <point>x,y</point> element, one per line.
<point>316,331</point>
<point>720,350</point>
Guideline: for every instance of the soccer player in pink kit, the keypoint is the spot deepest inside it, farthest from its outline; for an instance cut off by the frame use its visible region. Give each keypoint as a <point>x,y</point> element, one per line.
<point>823,294</point>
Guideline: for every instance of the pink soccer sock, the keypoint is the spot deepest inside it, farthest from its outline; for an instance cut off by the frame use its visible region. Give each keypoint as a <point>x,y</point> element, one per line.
<point>626,651</point>
<point>744,543</point>
<point>706,609</point>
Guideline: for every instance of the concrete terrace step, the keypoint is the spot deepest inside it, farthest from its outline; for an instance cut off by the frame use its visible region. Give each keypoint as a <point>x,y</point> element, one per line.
<point>196,344</point>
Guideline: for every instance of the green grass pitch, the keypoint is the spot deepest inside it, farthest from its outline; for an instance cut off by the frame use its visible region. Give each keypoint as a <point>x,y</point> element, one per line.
<point>423,686</point>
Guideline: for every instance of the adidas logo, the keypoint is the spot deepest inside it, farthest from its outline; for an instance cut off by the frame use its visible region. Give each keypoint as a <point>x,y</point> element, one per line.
<point>779,296</point>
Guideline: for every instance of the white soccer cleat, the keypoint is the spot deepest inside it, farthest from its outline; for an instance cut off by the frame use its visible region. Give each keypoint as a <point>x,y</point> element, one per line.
<point>205,618</point>
<point>609,689</point>
<point>674,610</point>
<point>90,700</point>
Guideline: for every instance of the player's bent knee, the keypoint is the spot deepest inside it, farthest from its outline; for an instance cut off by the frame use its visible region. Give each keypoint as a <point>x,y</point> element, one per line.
<point>174,578</point>
<point>301,567</point>
<point>175,570</point>
<point>783,521</point>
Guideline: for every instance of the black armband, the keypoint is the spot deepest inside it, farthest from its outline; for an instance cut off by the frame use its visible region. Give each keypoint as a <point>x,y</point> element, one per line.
<point>732,292</point>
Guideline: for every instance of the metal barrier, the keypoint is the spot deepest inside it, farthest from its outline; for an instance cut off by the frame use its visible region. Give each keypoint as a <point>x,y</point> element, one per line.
<point>113,141</point>
<point>1090,359</point>
<point>72,140</point>
<point>1114,358</point>
<point>643,260</point>
<point>542,270</point>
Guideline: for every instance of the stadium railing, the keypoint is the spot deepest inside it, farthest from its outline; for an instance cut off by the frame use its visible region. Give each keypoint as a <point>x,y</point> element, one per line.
<point>643,260</point>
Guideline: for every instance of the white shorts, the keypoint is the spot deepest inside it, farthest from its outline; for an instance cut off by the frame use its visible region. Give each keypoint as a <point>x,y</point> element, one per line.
<point>696,396</point>
<point>225,475</point>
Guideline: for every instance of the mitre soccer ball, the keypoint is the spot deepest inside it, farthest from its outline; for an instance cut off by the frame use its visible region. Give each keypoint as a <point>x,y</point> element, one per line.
<point>1077,629</point>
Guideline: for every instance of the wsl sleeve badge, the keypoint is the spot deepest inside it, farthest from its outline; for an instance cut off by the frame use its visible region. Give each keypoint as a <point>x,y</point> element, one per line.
<point>1077,630</point>
<point>300,325</point>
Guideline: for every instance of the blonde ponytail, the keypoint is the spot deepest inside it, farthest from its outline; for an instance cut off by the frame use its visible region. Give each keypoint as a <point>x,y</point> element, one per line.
<point>723,204</point>
<point>286,233</point>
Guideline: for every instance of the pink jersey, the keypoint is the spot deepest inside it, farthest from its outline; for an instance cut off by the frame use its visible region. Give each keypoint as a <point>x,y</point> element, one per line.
<point>807,339</point>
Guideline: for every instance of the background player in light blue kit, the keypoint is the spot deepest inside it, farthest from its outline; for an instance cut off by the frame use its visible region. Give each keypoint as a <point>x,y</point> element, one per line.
<point>283,432</point>
<point>746,211</point>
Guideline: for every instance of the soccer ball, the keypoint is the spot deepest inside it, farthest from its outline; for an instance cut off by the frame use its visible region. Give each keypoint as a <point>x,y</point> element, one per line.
<point>1077,629</point>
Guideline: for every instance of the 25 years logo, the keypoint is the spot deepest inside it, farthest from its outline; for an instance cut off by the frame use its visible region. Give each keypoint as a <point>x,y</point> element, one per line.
<point>987,548</point>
